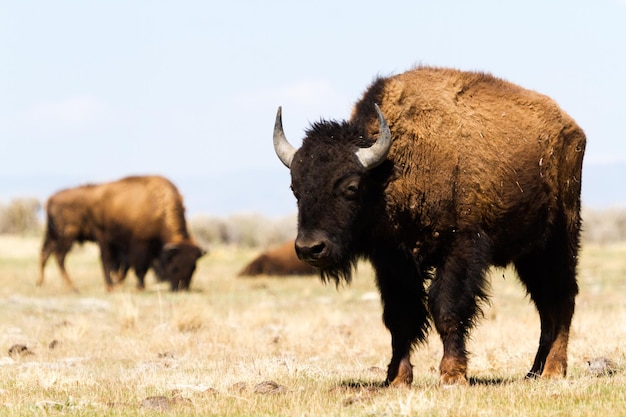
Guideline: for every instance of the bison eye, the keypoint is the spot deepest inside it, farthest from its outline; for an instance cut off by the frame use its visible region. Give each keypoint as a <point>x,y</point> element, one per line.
<point>350,187</point>
<point>351,191</point>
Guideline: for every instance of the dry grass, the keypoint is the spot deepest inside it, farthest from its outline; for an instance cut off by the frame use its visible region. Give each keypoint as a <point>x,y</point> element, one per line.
<point>217,349</point>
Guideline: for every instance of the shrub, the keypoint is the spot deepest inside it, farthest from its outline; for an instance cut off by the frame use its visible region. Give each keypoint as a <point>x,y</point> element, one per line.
<point>209,230</point>
<point>247,230</point>
<point>604,226</point>
<point>20,216</point>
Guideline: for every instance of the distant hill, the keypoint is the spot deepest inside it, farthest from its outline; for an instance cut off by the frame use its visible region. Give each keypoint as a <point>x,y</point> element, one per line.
<point>267,191</point>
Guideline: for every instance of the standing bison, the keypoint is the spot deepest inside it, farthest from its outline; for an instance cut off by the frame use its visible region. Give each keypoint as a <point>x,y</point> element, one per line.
<point>137,222</point>
<point>437,175</point>
<point>278,261</point>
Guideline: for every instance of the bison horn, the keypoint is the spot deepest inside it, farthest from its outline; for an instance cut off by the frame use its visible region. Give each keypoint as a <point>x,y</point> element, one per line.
<point>283,149</point>
<point>374,155</point>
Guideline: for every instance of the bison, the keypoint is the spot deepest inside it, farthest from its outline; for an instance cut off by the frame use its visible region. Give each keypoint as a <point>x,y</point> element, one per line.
<point>438,175</point>
<point>279,261</point>
<point>136,221</point>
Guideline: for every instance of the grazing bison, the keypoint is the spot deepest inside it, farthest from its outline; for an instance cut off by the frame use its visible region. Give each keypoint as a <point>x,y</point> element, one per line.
<point>137,222</point>
<point>438,175</point>
<point>279,261</point>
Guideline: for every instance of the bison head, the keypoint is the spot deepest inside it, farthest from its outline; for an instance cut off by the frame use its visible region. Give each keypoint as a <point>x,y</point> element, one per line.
<point>331,177</point>
<point>178,263</point>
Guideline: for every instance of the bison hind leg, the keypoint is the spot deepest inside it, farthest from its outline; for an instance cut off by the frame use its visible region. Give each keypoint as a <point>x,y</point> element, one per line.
<point>549,274</point>
<point>59,248</point>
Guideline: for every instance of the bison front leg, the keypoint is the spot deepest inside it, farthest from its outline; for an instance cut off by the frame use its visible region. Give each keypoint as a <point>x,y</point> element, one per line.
<point>141,271</point>
<point>140,260</point>
<point>108,265</point>
<point>404,310</point>
<point>458,286</point>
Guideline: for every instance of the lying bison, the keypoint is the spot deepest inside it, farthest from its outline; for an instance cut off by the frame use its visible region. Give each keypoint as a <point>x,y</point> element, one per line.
<point>137,222</point>
<point>437,175</point>
<point>279,261</point>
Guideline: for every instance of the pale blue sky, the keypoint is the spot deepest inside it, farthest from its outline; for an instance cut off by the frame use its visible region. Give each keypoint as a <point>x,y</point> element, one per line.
<point>95,90</point>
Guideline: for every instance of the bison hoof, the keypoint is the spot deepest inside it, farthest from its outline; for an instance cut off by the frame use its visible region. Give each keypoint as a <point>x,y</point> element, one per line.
<point>404,376</point>
<point>400,383</point>
<point>551,373</point>
<point>448,379</point>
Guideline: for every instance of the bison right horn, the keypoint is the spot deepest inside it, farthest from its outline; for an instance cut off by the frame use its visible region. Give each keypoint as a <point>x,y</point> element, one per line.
<point>374,155</point>
<point>283,148</point>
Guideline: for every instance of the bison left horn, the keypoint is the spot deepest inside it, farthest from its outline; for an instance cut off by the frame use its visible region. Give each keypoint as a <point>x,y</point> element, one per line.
<point>283,148</point>
<point>374,155</point>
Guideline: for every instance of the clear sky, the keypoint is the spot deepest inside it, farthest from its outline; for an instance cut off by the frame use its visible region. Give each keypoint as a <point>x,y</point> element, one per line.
<point>95,90</point>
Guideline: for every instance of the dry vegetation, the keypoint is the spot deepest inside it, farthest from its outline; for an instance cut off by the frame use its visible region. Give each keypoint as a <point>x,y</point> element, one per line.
<point>24,216</point>
<point>271,346</point>
<point>20,216</point>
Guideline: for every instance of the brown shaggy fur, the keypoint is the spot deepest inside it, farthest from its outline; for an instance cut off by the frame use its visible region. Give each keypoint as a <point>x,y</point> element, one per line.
<point>136,221</point>
<point>467,124</point>
<point>480,172</point>
<point>278,261</point>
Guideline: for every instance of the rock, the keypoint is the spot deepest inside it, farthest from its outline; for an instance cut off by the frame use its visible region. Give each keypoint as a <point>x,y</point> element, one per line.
<point>159,403</point>
<point>238,387</point>
<point>269,387</point>
<point>19,350</point>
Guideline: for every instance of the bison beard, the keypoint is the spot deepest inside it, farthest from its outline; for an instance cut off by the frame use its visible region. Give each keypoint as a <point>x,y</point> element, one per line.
<point>454,173</point>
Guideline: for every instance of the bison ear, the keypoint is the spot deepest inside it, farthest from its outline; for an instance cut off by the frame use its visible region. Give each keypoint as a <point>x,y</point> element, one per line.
<point>171,249</point>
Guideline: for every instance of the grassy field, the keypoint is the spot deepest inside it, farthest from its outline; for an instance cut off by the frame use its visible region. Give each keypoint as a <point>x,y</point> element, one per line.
<point>281,346</point>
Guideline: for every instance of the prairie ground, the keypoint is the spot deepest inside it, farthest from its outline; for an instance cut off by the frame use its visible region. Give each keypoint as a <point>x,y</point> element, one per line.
<point>282,346</point>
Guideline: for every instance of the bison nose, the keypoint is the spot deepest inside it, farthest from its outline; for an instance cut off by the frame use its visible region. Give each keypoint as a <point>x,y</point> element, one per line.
<point>311,250</point>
